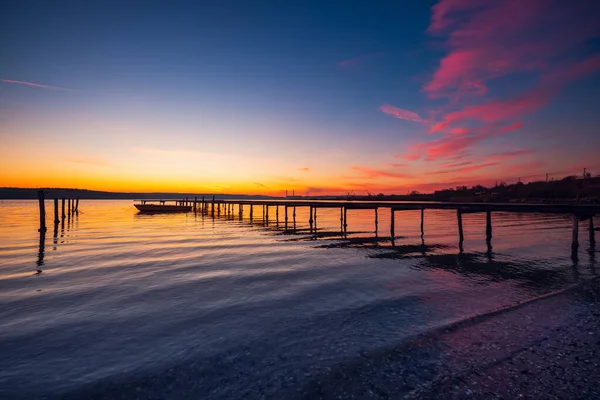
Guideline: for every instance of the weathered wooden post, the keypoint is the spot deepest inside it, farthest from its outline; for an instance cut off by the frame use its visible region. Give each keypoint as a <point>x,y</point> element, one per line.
<point>41,197</point>
<point>195,203</point>
<point>461,236</point>
<point>63,209</point>
<point>213,207</point>
<point>422,223</point>
<point>277,214</point>
<point>392,223</point>
<point>294,216</point>
<point>592,233</point>
<point>575,241</point>
<point>251,211</point>
<point>341,218</point>
<point>376,220</point>
<point>488,225</point>
<point>345,218</point>
<point>77,205</point>
<point>310,218</point>
<point>203,205</point>
<point>286,216</point>
<point>267,213</point>
<point>315,217</point>
<point>69,207</point>
<point>56,219</point>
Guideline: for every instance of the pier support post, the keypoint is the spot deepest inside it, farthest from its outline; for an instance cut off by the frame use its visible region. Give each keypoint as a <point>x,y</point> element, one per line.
<point>213,206</point>
<point>63,215</point>
<point>56,219</point>
<point>294,216</point>
<point>376,220</point>
<point>203,204</point>
<point>592,233</point>
<point>345,219</point>
<point>286,216</point>
<point>277,214</point>
<point>392,223</point>
<point>310,218</point>
<point>251,211</point>
<point>575,241</point>
<point>267,213</point>
<point>461,236</point>
<point>422,223</point>
<point>315,217</point>
<point>41,197</point>
<point>69,209</point>
<point>195,204</point>
<point>77,205</point>
<point>488,225</point>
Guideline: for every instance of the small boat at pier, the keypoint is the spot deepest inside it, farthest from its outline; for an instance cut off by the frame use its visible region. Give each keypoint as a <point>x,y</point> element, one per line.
<point>162,207</point>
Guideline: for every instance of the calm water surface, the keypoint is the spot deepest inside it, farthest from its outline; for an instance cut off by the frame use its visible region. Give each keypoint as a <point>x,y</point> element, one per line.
<point>122,294</point>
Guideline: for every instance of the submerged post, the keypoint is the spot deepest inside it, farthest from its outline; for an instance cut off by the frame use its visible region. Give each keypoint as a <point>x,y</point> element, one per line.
<point>575,241</point>
<point>488,225</point>
<point>310,218</point>
<point>41,197</point>
<point>392,223</point>
<point>77,205</point>
<point>251,211</point>
<point>63,208</point>
<point>277,213</point>
<point>203,204</point>
<point>422,223</point>
<point>56,219</point>
<point>376,220</point>
<point>69,207</point>
<point>461,236</point>
<point>592,233</point>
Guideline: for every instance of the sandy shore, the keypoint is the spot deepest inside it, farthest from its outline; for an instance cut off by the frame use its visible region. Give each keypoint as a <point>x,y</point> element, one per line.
<point>548,348</point>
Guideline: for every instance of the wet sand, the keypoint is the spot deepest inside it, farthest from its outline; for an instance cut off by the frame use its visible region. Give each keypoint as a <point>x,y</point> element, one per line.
<point>547,348</point>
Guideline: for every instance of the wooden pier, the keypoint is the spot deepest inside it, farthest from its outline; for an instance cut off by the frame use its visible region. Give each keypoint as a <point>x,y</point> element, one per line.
<point>579,212</point>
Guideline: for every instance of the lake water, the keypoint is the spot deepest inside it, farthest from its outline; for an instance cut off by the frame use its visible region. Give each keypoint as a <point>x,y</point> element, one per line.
<point>237,308</point>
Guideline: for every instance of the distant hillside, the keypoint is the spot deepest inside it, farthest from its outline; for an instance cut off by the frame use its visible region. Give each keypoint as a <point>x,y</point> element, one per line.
<point>26,194</point>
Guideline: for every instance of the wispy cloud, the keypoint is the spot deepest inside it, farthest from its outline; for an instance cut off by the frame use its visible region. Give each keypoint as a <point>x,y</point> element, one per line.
<point>37,85</point>
<point>305,169</point>
<point>352,62</point>
<point>400,113</point>
<point>378,173</point>
<point>90,161</point>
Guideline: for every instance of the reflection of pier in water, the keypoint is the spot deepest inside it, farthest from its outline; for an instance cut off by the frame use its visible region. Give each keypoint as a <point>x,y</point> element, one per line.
<point>214,208</point>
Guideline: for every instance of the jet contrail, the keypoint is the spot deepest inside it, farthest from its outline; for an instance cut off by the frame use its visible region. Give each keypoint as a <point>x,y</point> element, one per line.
<point>39,86</point>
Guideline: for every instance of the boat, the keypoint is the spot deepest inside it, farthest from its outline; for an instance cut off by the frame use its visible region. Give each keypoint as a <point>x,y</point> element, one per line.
<point>162,207</point>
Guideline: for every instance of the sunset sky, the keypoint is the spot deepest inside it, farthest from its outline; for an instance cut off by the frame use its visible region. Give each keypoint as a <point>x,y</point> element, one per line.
<point>320,97</point>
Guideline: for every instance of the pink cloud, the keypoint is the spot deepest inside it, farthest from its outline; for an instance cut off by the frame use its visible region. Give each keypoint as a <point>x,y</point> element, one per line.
<point>492,39</point>
<point>39,85</point>
<point>376,173</point>
<point>400,113</point>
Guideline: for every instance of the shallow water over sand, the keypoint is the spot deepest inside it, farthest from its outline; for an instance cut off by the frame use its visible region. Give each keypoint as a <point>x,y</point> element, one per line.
<point>248,305</point>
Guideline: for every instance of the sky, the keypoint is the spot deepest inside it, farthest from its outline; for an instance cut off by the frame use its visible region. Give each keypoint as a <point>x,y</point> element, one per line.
<point>319,97</point>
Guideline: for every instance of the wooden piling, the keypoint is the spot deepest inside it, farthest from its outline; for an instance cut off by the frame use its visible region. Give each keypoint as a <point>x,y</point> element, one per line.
<point>310,218</point>
<point>376,220</point>
<point>575,241</point>
<point>77,205</point>
<point>195,204</point>
<point>422,223</point>
<point>41,197</point>
<point>392,223</point>
<point>267,213</point>
<point>488,225</point>
<point>68,207</point>
<point>251,211</point>
<point>56,219</point>
<point>277,214</point>
<point>315,217</point>
<point>461,236</point>
<point>345,219</point>
<point>286,216</point>
<point>592,233</point>
<point>63,209</point>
